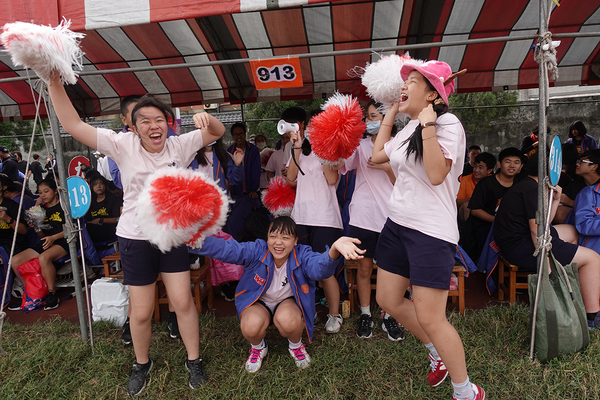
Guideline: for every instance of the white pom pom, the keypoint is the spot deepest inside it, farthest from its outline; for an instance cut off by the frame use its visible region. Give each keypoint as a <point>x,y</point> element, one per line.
<point>44,49</point>
<point>382,78</point>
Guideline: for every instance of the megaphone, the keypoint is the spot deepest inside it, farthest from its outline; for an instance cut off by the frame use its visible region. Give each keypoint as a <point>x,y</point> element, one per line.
<point>284,127</point>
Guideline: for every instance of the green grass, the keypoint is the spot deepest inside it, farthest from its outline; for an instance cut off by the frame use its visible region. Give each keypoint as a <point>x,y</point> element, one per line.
<point>49,361</point>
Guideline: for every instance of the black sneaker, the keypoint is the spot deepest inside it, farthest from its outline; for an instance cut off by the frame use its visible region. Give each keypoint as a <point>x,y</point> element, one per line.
<point>137,379</point>
<point>393,329</point>
<point>52,301</point>
<point>365,326</point>
<point>228,291</point>
<point>173,327</point>
<point>15,304</point>
<point>197,375</point>
<point>319,295</point>
<point>126,336</point>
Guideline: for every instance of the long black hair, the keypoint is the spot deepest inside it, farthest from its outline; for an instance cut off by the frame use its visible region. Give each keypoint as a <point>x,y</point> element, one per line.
<point>220,152</point>
<point>415,141</point>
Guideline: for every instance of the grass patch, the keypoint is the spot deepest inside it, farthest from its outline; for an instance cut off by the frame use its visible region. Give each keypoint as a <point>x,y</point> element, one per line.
<point>49,361</point>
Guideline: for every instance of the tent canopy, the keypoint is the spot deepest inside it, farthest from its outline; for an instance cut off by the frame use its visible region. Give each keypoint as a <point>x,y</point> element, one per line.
<point>148,33</point>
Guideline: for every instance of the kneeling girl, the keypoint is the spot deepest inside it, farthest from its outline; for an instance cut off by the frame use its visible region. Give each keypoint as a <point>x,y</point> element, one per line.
<point>278,285</point>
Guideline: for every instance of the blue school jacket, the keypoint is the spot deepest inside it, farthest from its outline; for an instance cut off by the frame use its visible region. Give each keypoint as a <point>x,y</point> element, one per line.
<point>587,216</point>
<point>304,267</point>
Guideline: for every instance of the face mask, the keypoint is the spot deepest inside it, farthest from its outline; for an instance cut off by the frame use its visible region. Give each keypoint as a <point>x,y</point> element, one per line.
<point>261,145</point>
<point>213,143</point>
<point>373,127</point>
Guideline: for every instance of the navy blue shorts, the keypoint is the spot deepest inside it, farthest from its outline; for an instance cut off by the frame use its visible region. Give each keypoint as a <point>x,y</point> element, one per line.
<point>521,253</point>
<point>39,248</point>
<point>425,260</point>
<point>142,261</point>
<point>368,240</point>
<point>317,237</point>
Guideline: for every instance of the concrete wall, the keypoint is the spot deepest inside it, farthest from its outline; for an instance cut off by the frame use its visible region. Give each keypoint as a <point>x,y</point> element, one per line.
<point>509,131</point>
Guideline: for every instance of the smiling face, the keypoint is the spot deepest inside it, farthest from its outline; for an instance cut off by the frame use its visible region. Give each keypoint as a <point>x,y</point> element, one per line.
<point>415,95</point>
<point>239,136</point>
<point>510,166</point>
<point>280,245</point>
<point>373,114</point>
<point>480,170</point>
<point>151,127</point>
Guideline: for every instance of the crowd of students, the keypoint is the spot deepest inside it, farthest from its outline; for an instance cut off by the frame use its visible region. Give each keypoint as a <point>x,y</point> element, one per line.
<point>395,176</point>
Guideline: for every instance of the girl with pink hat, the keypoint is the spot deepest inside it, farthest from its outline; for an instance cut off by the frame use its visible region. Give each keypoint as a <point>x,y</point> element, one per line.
<point>418,247</point>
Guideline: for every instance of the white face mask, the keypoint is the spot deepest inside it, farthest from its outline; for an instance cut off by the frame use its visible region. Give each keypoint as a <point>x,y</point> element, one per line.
<point>373,127</point>
<point>261,145</point>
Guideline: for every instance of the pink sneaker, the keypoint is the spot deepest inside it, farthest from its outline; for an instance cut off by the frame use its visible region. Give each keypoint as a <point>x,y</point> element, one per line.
<point>301,357</point>
<point>254,361</point>
<point>479,392</point>
<point>438,372</point>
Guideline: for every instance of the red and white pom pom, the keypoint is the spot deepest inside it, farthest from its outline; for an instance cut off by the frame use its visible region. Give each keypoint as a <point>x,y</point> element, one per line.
<point>181,206</point>
<point>336,132</point>
<point>44,49</point>
<point>382,78</point>
<point>279,197</point>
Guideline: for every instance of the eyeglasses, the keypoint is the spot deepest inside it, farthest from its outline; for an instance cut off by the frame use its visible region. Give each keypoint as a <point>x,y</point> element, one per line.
<point>585,161</point>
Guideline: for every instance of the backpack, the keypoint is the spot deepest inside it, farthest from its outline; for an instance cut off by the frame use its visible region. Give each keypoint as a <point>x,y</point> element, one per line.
<point>35,290</point>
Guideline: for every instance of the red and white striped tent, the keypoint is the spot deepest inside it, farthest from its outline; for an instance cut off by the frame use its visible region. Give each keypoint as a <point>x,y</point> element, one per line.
<point>145,34</point>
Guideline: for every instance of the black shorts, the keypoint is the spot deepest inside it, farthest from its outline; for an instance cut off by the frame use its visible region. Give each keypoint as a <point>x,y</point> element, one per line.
<point>273,311</point>
<point>521,253</point>
<point>142,261</point>
<point>425,260</point>
<point>368,240</point>
<point>318,237</point>
<point>39,248</point>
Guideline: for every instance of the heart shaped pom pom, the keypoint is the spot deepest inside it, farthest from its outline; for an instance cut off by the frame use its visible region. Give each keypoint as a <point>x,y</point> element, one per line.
<point>382,78</point>
<point>336,132</point>
<point>181,206</point>
<point>44,49</point>
<point>279,197</point>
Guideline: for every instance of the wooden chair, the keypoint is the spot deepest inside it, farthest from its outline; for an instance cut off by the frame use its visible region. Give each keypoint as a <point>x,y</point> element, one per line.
<point>507,280</point>
<point>200,280</point>
<point>455,295</point>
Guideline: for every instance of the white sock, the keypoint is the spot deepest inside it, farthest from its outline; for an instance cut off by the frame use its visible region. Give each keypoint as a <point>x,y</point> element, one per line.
<point>463,391</point>
<point>294,346</point>
<point>366,310</point>
<point>386,315</point>
<point>259,346</point>
<point>432,351</point>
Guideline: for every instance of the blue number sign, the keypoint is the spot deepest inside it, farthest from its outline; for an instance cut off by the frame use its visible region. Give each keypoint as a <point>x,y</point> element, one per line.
<point>79,196</point>
<point>555,161</point>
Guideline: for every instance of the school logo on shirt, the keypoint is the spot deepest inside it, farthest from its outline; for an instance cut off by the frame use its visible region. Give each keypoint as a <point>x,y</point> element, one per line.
<point>100,213</point>
<point>597,210</point>
<point>304,288</point>
<point>54,217</point>
<point>259,280</point>
<point>494,246</point>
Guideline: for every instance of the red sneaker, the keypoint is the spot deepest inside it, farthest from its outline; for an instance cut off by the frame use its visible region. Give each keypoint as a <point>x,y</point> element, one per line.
<point>479,392</point>
<point>438,372</point>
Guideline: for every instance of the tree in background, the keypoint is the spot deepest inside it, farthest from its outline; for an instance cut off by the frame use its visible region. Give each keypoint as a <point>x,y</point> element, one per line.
<point>478,119</point>
<point>274,110</point>
<point>23,129</point>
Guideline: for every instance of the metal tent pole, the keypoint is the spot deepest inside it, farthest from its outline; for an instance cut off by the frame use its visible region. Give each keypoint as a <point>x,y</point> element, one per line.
<point>68,227</point>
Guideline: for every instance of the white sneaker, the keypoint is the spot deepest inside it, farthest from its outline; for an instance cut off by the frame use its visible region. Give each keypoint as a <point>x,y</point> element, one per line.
<point>300,356</point>
<point>334,323</point>
<point>254,361</point>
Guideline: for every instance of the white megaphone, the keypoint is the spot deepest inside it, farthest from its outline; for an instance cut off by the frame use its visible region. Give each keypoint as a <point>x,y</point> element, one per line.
<point>285,127</point>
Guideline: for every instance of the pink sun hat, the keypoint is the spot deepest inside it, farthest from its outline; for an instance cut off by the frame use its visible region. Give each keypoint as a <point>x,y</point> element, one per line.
<point>438,73</point>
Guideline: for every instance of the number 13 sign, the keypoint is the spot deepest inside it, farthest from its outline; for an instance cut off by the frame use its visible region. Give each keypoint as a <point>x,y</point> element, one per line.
<point>276,73</point>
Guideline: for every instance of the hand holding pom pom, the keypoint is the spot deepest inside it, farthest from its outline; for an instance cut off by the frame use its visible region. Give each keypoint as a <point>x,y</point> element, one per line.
<point>181,206</point>
<point>279,197</point>
<point>44,49</point>
<point>336,132</point>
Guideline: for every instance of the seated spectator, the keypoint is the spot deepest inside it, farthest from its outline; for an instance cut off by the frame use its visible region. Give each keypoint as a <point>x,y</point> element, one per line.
<point>484,166</point>
<point>474,151</point>
<point>52,246</point>
<point>586,216</point>
<point>104,212</point>
<point>8,219</point>
<point>275,289</point>
<point>515,232</point>
<point>276,166</point>
<point>578,136</point>
<point>486,198</point>
<point>529,144</point>
<point>587,173</point>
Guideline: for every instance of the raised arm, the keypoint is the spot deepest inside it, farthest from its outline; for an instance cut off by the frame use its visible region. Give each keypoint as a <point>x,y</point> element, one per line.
<point>436,165</point>
<point>292,172</point>
<point>68,117</point>
<point>385,132</point>
<point>212,128</point>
